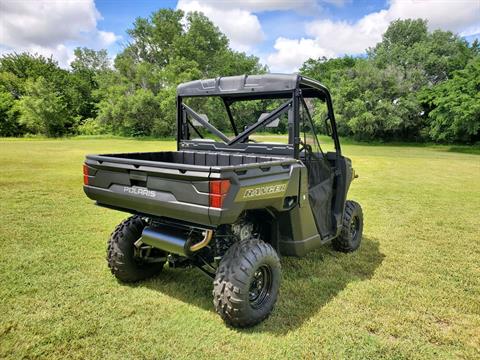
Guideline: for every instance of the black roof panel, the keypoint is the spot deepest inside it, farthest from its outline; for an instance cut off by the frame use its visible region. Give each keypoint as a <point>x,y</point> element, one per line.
<point>242,84</point>
<point>253,86</point>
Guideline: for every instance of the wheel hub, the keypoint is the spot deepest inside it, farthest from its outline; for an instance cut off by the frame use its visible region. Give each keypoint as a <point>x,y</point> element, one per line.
<point>260,286</point>
<point>354,227</point>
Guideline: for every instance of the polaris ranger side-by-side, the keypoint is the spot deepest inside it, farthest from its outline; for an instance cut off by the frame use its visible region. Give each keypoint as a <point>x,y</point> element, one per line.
<point>230,205</point>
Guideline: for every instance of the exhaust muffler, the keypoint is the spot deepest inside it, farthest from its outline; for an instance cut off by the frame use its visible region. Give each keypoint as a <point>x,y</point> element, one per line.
<point>174,240</point>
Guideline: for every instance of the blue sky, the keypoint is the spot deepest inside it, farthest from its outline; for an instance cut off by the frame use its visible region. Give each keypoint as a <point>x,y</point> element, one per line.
<point>118,15</point>
<point>282,33</point>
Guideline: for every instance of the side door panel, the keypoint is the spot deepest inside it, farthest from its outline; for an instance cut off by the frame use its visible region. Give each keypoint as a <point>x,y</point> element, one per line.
<point>320,193</point>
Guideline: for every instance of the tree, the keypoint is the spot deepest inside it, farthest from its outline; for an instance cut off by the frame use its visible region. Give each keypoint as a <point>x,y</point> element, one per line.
<point>442,54</point>
<point>17,74</point>
<point>328,71</point>
<point>455,106</point>
<point>375,103</point>
<point>153,39</point>
<point>402,34</point>
<point>27,65</point>
<point>429,57</point>
<point>90,60</point>
<point>9,125</point>
<point>136,114</point>
<point>204,43</point>
<point>383,96</point>
<point>166,49</point>
<point>43,110</point>
<point>87,65</point>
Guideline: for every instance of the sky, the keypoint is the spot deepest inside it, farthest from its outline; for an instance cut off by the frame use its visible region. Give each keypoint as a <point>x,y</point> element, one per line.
<point>282,33</point>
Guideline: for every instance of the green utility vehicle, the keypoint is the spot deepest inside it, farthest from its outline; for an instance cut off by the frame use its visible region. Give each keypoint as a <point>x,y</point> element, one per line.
<point>231,205</point>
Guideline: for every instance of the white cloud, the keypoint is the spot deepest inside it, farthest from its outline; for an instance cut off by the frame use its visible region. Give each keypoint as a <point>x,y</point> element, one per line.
<point>237,19</point>
<point>106,38</point>
<point>241,27</point>
<point>261,5</point>
<point>441,14</point>
<point>470,31</point>
<point>51,27</point>
<point>341,37</point>
<point>286,60</point>
<point>61,53</point>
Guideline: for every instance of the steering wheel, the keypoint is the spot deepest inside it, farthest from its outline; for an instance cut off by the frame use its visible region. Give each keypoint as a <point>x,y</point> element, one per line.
<point>306,147</point>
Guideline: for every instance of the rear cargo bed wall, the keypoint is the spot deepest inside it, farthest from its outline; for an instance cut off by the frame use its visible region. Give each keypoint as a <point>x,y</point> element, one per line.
<point>200,158</point>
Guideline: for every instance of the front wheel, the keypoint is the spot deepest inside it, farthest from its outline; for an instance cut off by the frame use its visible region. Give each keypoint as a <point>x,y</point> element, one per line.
<point>247,282</point>
<point>351,234</point>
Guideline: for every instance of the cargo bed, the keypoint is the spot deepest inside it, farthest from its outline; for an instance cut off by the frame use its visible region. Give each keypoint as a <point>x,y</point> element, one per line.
<point>175,184</point>
<point>198,158</point>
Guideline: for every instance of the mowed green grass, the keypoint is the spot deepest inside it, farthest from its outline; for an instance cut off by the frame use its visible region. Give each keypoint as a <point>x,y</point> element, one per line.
<point>411,291</point>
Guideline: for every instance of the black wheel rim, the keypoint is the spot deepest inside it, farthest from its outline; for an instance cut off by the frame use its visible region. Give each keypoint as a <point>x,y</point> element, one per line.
<point>260,286</point>
<point>354,228</point>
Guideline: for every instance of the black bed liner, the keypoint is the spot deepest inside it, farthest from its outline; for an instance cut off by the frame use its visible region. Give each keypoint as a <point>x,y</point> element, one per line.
<point>200,158</point>
<point>186,161</point>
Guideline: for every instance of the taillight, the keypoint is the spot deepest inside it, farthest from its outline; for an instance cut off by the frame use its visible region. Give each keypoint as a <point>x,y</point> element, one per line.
<point>85,174</point>
<point>218,191</point>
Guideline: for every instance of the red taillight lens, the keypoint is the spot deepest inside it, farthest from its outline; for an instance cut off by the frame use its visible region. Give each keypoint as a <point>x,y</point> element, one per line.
<point>85,174</point>
<point>219,187</point>
<point>216,201</point>
<point>218,191</point>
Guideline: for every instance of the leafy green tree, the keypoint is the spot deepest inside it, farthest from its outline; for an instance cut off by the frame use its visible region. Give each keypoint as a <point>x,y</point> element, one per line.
<point>413,85</point>
<point>429,57</point>
<point>9,125</point>
<point>43,110</point>
<point>380,97</point>
<point>163,53</point>
<point>26,66</point>
<point>153,39</point>
<point>139,112</point>
<point>401,35</point>
<point>375,103</point>
<point>12,84</point>
<point>328,71</point>
<point>204,43</point>
<point>455,106</point>
<point>90,60</point>
<point>133,114</point>
<point>86,66</point>
<point>165,122</point>
<point>17,73</point>
<point>442,54</point>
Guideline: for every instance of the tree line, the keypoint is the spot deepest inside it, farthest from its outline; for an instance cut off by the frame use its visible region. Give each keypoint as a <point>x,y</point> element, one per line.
<point>414,85</point>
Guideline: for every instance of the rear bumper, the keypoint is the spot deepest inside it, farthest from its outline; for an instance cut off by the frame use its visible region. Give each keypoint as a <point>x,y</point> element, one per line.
<point>163,204</point>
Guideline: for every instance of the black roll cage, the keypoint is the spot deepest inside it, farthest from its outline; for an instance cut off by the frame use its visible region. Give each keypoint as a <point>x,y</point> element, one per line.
<point>305,88</point>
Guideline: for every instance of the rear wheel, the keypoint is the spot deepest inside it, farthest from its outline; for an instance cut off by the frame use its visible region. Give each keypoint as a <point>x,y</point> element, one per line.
<point>351,234</point>
<point>127,259</point>
<point>247,283</point>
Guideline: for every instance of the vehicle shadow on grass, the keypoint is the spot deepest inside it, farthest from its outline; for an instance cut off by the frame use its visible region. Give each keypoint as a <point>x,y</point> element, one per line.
<point>307,284</point>
<point>311,282</point>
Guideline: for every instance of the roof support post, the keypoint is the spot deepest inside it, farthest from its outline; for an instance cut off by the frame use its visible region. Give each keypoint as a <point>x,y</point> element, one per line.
<point>296,123</point>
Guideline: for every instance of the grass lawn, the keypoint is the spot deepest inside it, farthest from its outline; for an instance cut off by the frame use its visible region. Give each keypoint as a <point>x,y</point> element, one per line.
<point>411,291</point>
